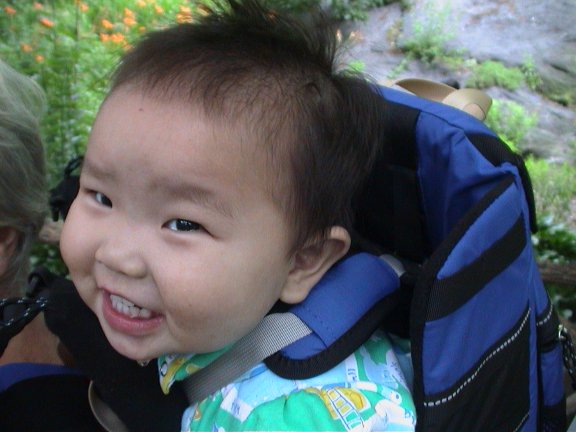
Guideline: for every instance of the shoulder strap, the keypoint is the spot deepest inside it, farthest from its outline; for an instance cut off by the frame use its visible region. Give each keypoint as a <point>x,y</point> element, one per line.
<point>323,329</point>
<point>273,333</point>
<point>16,313</point>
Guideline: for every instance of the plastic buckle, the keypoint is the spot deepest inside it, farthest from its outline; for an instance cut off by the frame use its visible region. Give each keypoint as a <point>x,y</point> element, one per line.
<point>568,353</point>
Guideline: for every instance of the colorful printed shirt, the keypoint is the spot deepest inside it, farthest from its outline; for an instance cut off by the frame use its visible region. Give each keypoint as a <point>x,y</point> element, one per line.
<point>368,391</point>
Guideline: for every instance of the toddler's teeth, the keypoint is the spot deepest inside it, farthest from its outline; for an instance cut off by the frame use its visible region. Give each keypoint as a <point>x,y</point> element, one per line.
<point>128,308</point>
<point>134,312</point>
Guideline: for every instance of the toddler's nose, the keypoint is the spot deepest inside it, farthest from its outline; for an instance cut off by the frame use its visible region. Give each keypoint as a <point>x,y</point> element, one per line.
<point>121,253</point>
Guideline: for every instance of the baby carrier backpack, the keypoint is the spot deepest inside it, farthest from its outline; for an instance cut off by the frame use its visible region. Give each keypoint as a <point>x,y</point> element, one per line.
<point>485,343</point>
<point>443,256</point>
<point>446,217</point>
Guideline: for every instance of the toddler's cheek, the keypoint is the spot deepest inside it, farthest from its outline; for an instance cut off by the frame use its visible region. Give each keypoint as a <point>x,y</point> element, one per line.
<point>67,247</point>
<point>74,241</point>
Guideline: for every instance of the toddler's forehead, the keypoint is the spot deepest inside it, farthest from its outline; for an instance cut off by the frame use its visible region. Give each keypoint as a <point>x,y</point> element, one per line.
<point>248,135</point>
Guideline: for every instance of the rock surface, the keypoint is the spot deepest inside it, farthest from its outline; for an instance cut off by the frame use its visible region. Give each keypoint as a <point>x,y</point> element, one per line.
<point>513,32</point>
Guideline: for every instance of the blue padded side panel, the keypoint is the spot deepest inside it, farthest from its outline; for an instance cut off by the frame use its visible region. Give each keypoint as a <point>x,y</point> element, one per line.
<point>360,281</point>
<point>503,297</point>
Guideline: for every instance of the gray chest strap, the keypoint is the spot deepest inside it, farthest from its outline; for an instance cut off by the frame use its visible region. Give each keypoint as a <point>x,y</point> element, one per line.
<point>273,333</point>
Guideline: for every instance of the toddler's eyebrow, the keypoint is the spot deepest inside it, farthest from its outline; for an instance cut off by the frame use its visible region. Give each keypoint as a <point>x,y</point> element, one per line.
<point>170,187</point>
<point>198,195</point>
<point>95,170</point>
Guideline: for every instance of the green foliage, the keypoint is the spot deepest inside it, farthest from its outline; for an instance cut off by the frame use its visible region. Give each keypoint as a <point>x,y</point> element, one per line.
<point>510,121</point>
<point>70,47</point>
<point>563,98</point>
<point>355,10</point>
<point>563,299</point>
<point>554,184</point>
<point>554,188</point>
<point>554,241</point>
<point>49,257</point>
<point>429,38</point>
<point>338,9</point>
<point>491,73</point>
<point>357,66</point>
<point>531,76</point>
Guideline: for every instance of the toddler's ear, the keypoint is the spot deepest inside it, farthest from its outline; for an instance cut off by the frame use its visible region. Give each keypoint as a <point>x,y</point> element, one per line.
<point>311,262</point>
<point>8,243</point>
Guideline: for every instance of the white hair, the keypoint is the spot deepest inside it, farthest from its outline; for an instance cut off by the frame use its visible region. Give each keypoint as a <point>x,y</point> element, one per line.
<point>23,190</point>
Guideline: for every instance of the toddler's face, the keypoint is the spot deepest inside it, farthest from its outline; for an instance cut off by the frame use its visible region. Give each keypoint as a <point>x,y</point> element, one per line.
<point>173,240</point>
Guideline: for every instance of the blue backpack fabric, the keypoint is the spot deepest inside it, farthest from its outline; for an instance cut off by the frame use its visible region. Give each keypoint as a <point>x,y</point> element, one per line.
<point>451,199</point>
<point>484,334</point>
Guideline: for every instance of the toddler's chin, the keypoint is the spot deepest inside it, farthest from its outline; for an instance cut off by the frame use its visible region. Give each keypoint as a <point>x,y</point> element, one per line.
<point>135,351</point>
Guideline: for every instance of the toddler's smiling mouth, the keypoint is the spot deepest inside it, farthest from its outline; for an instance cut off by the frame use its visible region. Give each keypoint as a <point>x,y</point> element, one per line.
<point>126,317</point>
<point>128,308</point>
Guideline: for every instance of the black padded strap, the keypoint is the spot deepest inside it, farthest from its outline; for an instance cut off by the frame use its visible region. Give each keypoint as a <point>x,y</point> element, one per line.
<point>497,152</point>
<point>336,353</point>
<point>391,196</point>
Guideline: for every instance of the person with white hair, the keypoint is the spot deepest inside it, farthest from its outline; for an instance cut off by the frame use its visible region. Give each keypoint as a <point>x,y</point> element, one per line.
<point>23,205</point>
<point>38,390</point>
<point>23,189</point>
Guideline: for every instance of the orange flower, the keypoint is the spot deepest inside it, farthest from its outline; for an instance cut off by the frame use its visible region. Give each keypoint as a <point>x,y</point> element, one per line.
<point>9,10</point>
<point>128,13</point>
<point>46,22</point>
<point>159,10</point>
<point>83,7</point>
<point>141,29</point>
<point>107,24</point>
<point>141,3</point>
<point>184,15</point>
<point>182,18</point>
<point>39,58</point>
<point>129,21</point>
<point>25,47</point>
<point>117,38</point>
<point>104,37</point>
<point>37,6</point>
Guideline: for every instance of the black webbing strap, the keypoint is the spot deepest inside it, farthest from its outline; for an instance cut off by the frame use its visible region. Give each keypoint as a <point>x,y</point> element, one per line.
<point>409,239</point>
<point>389,212</point>
<point>15,314</point>
<point>496,152</point>
<point>568,354</point>
<point>274,332</point>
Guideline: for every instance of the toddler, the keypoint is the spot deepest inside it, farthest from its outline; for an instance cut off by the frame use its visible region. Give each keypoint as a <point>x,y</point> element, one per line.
<point>218,182</point>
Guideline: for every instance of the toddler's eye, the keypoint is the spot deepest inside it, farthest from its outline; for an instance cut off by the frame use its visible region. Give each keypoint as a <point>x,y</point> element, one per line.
<point>102,199</point>
<point>182,225</point>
